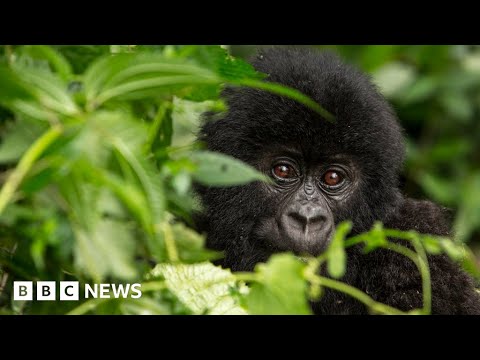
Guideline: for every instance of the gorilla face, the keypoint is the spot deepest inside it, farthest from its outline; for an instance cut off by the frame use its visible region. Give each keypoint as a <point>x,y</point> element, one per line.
<point>306,196</point>
<point>322,173</point>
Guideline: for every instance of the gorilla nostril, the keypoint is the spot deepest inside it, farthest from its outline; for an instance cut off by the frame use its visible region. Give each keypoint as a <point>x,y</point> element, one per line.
<point>317,219</point>
<point>303,219</point>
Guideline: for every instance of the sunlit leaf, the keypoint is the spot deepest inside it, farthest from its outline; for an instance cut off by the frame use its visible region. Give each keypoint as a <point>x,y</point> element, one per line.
<point>217,169</point>
<point>203,287</point>
<point>336,256</point>
<point>281,288</point>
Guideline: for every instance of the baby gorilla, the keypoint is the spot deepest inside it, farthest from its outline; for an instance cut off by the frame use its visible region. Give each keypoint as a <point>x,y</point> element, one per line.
<point>324,173</point>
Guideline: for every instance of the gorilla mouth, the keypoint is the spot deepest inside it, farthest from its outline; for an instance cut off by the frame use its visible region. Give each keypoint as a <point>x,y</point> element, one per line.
<point>301,241</point>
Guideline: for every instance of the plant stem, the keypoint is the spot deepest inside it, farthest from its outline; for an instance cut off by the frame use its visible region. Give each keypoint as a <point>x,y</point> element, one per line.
<point>170,245</point>
<point>359,295</point>
<point>156,124</point>
<point>26,163</point>
<point>420,260</point>
<point>425,272</point>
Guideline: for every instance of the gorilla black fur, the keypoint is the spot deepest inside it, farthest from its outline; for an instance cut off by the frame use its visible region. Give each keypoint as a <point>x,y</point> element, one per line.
<point>367,132</point>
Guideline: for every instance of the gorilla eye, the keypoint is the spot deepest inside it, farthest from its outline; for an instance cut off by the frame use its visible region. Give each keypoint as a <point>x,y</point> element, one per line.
<point>284,171</point>
<point>332,178</point>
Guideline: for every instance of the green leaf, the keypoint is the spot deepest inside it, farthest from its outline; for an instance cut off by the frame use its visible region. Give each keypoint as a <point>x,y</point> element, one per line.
<point>191,245</point>
<point>12,87</point>
<point>17,138</point>
<point>81,56</point>
<point>204,288</point>
<point>49,89</point>
<point>137,76</point>
<point>281,289</point>
<point>57,61</point>
<point>102,246</point>
<point>336,256</point>
<point>375,237</point>
<point>217,169</point>
<point>217,59</point>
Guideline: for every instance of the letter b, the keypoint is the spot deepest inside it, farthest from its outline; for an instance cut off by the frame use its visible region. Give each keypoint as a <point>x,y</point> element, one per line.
<point>22,290</point>
<point>45,290</point>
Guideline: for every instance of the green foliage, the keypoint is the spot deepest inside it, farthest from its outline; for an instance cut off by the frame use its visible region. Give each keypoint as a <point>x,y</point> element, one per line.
<point>280,287</point>
<point>97,164</point>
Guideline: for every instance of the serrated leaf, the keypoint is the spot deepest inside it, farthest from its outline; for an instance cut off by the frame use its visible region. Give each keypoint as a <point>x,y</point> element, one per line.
<point>102,246</point>
<point>204,287</point>
<point>336,256</point>
<point>217,169</point>
<point>281,289</point>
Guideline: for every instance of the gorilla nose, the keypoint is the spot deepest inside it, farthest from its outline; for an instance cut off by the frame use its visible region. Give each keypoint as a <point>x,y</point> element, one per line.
<point>307,218</point>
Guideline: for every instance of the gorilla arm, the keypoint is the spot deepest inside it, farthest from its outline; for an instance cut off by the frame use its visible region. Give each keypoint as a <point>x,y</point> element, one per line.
<point>399,281</point>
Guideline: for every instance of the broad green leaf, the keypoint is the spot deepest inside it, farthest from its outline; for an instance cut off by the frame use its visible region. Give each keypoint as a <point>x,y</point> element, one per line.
<point>217,169</point>
<point>204,287</point>
<point>336,256</point>
<point>281,289</point>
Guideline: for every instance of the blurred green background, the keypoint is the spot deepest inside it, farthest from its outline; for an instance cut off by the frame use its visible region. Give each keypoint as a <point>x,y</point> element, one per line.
<point>435,90</point>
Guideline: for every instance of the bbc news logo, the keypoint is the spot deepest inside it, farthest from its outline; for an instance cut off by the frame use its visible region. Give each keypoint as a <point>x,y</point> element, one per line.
<point>69,291</point>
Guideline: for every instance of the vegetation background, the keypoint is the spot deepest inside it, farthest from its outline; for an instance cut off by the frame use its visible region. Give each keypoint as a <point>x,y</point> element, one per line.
<point>97,160</point>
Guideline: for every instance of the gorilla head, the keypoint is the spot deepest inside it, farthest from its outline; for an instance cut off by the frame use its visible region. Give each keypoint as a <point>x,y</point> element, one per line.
<point>322,172</point>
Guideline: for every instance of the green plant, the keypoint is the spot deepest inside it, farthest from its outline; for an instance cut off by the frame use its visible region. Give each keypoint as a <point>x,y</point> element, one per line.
<point>97,165</point>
